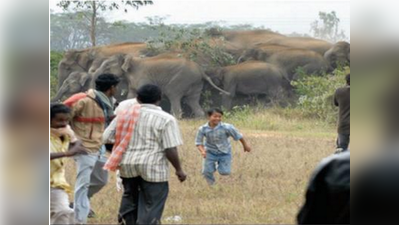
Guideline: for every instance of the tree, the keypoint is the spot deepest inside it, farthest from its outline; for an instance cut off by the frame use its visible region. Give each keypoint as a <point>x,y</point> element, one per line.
<point>55,58</point>
<point>68,32</point>
<point>327,27</point>
<point>96,7</point>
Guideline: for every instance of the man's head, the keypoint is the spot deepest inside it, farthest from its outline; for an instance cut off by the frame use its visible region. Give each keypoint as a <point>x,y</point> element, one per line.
<point>60,115</point>
<point>214,116</point>
<point>348,79</point>
<point>149,94</point>
<point>107,83</point>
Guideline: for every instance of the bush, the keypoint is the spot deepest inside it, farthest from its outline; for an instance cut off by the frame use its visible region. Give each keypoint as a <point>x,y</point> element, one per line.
<point>55,58</point>
<point>316,94</point>
<point>239,113</point>
<point>194,44</point>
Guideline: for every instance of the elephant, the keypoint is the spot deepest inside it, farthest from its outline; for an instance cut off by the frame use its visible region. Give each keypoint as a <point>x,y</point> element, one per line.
<point>339,54</point>
<point>196,50</point>
<point>74,61</point>
<point>252,78</point>
<point>237,42</point>
<point>245,38</point>
<point>177,78</point>
<point>291,59</point>
<point>81,82</point>
<point>76,82</point>
<point>261,52</point>
<point>317,45</point>
<point>83,60</point>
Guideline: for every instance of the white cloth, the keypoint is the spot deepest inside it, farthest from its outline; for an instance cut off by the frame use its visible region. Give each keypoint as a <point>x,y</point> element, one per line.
<point>119,184</point>
<point>60,213</point>
<point>124,105</point>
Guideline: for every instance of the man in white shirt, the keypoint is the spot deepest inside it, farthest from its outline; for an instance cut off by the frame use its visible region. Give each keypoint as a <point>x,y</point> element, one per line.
<point>124,105</point>
<point>144,168</point>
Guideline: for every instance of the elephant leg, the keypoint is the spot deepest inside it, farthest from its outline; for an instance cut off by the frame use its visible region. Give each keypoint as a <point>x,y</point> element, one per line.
<point>275,94</point>
<point>193,102</point>
<point>228,99</point>
<point>175,102</point>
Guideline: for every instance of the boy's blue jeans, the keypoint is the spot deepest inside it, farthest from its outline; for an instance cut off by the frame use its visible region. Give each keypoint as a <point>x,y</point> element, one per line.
<point>90,179</point>
<point>213,161</point>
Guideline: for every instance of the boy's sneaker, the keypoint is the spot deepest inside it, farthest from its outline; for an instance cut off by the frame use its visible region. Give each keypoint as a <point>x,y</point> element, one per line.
<point>92,214</point>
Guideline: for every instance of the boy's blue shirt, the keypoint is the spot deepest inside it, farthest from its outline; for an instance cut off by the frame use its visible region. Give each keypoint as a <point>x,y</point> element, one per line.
<point>217,139</point>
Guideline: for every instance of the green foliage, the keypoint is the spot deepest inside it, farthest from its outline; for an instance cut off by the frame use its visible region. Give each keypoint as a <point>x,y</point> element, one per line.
<point>238,113</point>
<point>55,58</point>
<point>207,99</point>
<point>316,94</point>
<point>194,43</point>
<point>289,119</point>
<point>202,48</point>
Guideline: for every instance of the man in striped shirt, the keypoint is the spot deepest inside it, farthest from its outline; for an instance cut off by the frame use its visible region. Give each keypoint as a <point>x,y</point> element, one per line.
<point>144,168</point>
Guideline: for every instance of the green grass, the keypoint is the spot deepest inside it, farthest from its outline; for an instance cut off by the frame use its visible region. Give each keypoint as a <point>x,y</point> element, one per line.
<point>284,120</point>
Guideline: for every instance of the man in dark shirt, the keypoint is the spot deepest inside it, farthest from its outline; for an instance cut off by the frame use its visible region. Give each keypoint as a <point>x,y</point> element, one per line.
<point>342,100</point>
<point>375,189</point>
<point>327,199</point>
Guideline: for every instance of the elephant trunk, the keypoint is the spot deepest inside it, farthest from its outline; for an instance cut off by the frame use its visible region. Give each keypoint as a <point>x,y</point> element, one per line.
<point>59,95</point>
<point>92,82</point>
<point>61,78</point>
<point>94,73</point>
<point>207,78</point>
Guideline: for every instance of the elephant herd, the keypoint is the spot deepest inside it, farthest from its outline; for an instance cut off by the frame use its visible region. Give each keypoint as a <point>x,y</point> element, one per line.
<point>266,63</point>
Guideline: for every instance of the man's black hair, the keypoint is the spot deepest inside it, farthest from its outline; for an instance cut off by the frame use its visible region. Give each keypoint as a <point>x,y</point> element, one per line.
<point>56,108</point>
<point>105,81</point>
<point>348,79</point>
<point>149,94</point>
<point>214,110</point>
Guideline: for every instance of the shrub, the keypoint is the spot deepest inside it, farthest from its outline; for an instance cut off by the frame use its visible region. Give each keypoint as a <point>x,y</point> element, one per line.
<point>238,113</point>
<point>55,58</point>
<point>194,44</point>
<point>316,94</point>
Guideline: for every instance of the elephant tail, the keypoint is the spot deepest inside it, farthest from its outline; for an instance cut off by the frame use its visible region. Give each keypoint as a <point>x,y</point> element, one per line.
<point>207,78</point>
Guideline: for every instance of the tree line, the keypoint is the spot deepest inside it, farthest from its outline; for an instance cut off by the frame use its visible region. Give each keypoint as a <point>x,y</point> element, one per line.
<point>73,29</point>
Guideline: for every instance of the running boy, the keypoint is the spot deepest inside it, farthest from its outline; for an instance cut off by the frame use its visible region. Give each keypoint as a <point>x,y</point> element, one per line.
<point>63,144</point>
<point>217,148</point>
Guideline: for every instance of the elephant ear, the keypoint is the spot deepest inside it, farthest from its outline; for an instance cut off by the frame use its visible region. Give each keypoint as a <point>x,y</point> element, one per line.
<point>126,63</point>
<point>84,77</point>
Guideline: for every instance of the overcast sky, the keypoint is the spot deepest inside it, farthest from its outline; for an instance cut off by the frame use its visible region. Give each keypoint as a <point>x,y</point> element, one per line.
<point>285,16</point>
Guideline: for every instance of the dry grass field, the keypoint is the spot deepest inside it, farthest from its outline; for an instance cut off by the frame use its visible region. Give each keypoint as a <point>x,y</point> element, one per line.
<point>266,186</point>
